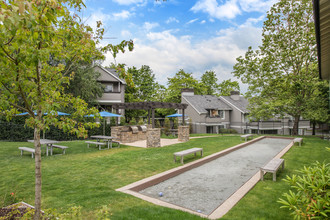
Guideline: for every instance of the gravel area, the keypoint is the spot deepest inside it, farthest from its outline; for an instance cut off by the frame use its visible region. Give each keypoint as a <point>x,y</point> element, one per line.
<point>206,187</point>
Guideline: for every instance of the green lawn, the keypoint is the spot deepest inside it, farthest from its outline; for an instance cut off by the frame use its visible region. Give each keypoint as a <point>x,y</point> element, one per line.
<point>88,177</point>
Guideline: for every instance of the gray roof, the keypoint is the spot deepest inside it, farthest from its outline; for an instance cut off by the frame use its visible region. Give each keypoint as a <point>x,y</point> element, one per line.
<point>114,73</point>
<point>203,102</point>
<point>240,104</point>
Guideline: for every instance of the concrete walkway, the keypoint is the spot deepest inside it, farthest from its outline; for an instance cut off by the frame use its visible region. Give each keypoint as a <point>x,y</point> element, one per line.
<point>163,142</point>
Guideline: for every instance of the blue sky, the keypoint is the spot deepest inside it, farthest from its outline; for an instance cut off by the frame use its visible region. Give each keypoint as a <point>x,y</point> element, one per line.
<point>193,35</point>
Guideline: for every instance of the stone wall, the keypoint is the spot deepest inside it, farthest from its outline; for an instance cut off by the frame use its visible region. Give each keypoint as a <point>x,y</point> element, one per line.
<point>183,133</point>
<point>124,134</point>
<point>153,137</point>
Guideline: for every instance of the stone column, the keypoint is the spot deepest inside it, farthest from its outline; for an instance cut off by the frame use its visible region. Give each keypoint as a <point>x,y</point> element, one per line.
<point>153,137</point>
<point>183,133</point>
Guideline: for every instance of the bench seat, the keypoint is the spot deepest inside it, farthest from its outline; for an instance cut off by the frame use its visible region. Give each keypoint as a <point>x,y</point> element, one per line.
<point>298,140</point>
<point>99,144</point>
<point>28,149</point>
<point>246,136</point>
<point>58,146</point>
<point>186,152</point>
<point>116,142</point>
<point>272,167</point>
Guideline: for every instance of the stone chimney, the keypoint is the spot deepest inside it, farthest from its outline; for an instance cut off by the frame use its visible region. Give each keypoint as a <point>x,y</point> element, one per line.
<point>235,95</point>
<point>187,92</point>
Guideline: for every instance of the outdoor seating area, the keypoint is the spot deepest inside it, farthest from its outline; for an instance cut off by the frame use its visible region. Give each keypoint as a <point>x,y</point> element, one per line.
<point>272,167</point>
<point>187,152</point>
<point>247,136</point>
<point>132,160</point>
<point>298,140</point>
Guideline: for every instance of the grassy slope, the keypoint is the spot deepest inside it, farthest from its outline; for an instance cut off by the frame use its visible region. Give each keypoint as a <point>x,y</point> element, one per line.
<point>88,177</point>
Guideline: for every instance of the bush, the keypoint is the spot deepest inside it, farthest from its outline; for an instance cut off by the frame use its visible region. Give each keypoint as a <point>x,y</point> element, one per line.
<point>227,131</point>
<point>309,197</point>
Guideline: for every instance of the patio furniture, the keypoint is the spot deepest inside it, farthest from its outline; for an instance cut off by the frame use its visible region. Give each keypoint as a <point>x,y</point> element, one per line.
<point>28,149</point>
<point>99,144</point>
<point>246,136</point>
<point>187,152</point>
<point>58,146</point>
<point>48,143</point>
<point>298,140</point>
<point>272,167</point>
<point>108,139</point>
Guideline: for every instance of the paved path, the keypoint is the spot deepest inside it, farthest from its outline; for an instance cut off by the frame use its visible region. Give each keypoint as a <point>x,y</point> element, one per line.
<point>163,142</point>
<point>205,188</point>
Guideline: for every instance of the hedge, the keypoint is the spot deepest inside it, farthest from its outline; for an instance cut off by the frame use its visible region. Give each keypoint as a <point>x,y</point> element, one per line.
<point>15,130</point>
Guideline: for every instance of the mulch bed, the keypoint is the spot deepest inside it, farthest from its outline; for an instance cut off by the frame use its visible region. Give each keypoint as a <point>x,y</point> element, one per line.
<point>15,211</point>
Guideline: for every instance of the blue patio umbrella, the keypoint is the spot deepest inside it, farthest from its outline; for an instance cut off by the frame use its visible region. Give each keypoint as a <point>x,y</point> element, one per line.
<point>175,115</point>
<point>35,113</point>
<point>105,114</point>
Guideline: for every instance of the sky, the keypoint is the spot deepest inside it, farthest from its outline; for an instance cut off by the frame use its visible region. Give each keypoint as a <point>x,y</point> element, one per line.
<point>193,35</point>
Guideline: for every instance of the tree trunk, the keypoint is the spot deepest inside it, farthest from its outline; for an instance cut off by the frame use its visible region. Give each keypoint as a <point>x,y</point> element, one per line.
<point>37,214</point>
<point>295,125</point>
<point>314,125</point>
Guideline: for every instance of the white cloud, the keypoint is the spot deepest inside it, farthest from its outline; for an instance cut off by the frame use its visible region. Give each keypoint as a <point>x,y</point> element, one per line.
<point>166,54</point>
<point>203,22</point>
<point>148,26</point>
<point>231,8</point>
<point>126,34</point>
<point>96,16</point>
<point>171,20</point>
<point>256,5</point>
<point>128,2</point>
<point>228,10</point>
<point>121,15</point>
<point>192,21</point>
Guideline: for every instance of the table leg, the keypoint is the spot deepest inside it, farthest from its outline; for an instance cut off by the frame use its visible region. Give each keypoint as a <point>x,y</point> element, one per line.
<point>182,159</point>
<point>261,174</point>
<point>274,176</point>
<point>47,150</point>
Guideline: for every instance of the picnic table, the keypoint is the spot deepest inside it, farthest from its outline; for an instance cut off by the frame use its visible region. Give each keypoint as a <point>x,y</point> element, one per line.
<point>107,139</point>
<point>48,143</point>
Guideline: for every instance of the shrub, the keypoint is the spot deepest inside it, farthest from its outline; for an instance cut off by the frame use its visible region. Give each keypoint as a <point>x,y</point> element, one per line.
<point>167,126</point>
<point>309,197</point>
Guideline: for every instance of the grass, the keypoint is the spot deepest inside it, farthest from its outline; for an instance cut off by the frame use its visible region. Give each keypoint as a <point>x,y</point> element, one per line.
<point>88,177</point>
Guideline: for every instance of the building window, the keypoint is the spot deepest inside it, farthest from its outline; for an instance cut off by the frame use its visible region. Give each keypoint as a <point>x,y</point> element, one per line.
<point>108,88</point>
<point>217,113</point>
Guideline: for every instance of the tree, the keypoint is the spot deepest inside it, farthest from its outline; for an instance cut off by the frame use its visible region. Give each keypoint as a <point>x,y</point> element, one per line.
<point>280,73</point>
<point>179,81</point>
<point>37,39</point>
<point>209,83</point>
<point>84,83</point>
<point>226,86</point>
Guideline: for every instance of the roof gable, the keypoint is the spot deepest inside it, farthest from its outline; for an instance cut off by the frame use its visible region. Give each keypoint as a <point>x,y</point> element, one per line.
<point>240,104</point>
<point>108,75</point>
<point>201,103</point>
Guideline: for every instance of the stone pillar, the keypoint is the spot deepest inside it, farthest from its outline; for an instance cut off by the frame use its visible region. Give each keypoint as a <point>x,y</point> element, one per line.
<point>183,133</point>
<point>116,132</point>
<point>153,137</point>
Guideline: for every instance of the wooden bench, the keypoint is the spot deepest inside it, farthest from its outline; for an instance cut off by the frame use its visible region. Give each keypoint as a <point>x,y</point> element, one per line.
<point>28,149</point>
<point>246,136</point>
<point>186,152</point>
<point>116,142</point>
<point>99,144</point>
<point>298,140</point>
<point>58,146</point>
<point>272,167</point>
